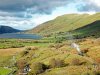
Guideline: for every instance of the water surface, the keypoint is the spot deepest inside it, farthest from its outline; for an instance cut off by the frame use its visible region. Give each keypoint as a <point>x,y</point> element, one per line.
<point>20,36</point>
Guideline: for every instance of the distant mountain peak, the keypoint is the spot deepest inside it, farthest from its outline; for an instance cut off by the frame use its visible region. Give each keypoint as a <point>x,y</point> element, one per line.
<point>7,29</point>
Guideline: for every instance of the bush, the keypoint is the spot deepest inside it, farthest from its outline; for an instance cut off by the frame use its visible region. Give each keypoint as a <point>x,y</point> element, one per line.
<point>28,48</point>
<point>97,73</point>
<point>56,63</point>
<point>98,60</point>
<point>34,48</point>
<point>59,39</point>
<point>85,50</point>
<point>37,68</point>
<point>17,46</point>
<point>52,63</point>
<point>21,63</point>
<point>57,46</point>
<point>76,61</point>
<point>31,48</point>
<point>91,73</point>
<point>87,73</point>
<point>23,53</point>
<point>97,41</point>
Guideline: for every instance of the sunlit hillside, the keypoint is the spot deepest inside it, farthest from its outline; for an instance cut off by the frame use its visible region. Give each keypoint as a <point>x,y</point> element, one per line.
<point>65,23</point>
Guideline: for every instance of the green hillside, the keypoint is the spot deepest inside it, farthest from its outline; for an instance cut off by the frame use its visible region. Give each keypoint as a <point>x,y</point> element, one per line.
<point>92,29</point>
<point>65,23</point>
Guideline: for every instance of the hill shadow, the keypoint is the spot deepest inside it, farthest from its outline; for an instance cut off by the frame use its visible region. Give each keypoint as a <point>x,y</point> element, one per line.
<point>92,29</point>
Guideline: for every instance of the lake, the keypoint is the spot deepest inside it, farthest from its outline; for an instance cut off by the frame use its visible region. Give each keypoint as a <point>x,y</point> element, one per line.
<point>20,36</point>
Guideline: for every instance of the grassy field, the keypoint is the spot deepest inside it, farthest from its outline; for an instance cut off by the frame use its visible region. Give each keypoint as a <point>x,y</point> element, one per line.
<point>11,47</point>
<point>18,43</point>
<point>4,71</point>
<point>73,63</point>
<point>44,51</point>
<point>6,56</point>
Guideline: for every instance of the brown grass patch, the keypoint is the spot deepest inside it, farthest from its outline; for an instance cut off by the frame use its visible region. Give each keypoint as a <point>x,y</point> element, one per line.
<point>10,51</point>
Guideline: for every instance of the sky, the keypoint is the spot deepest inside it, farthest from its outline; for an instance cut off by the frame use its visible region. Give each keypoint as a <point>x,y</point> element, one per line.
<point>27,14</point>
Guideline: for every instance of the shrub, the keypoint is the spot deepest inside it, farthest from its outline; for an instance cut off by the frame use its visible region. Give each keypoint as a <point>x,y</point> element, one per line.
<point>97,73</point>
<point>34,48</point>
<point>76,61</point>
<point>28,48</point>
<point>21,65</point>
<point>47,35</point>
<point>87,73</point>
<point>51,46</point>
<point>59,63</point>
<point>31,48</point>
<point>85,50</point>
<point>98,60</point>
<point>57,46</point>
<point>56,63</point>
<point>91,73</point>
<point>97,41</point>
<point>37,68</point>
<point>36,41</point>
<point>59,39</point>
<point>23,53</point>
<point>17,46</point>
<point>52,63</point>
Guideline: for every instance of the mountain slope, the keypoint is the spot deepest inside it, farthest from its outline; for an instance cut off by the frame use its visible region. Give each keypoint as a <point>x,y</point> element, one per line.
<point>7,29</point>
<point>65,23</point>
<point>92,29</point>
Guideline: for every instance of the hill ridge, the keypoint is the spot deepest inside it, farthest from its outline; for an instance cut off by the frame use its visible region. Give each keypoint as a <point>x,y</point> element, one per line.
<point>65,23</point>
<point>7,29</point>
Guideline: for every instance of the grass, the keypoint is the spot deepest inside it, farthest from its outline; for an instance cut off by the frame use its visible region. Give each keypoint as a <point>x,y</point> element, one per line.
<point>18,43</point>
<point>66,53</point>
<point>44,53</point>
<point>8,50</point>
<point>69,70</point>
<point>89,30</point>
<point>10,43</point>
<point>4,71</point>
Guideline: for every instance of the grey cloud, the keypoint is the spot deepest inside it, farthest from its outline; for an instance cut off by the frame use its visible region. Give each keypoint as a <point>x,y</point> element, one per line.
<point>14,14</point>
<point>41,6</point>
<point>15,5</point>
<point>88,6</point>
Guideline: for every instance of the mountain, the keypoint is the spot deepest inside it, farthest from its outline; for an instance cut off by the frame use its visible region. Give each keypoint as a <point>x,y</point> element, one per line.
<point>68,22</point>
<point>7,29</point>
<point>92,29</point>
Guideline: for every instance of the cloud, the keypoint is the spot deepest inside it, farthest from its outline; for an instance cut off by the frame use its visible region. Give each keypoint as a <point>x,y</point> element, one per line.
<point>38,6</point>
<point>15,5</point>
<point>96,2</point>
<point>25,8</point>
<point>25,14</point>
<point>18,23</point>
<point>45,6</point>
<point>89,5</point>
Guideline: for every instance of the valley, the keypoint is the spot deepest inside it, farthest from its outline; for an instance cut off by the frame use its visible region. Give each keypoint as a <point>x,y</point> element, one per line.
<point>69,45</point>
<point>67,58</point>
